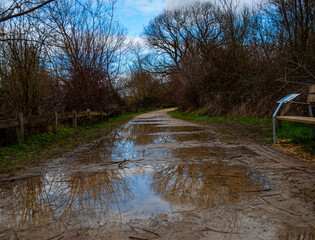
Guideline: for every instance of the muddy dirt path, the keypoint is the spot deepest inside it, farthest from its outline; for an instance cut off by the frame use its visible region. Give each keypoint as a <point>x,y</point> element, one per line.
<point>162,178</point>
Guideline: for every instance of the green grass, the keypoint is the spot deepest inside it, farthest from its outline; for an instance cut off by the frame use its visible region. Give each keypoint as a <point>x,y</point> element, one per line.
<point>295,133</point>
<point>47,145</point>
<point>194,116</point>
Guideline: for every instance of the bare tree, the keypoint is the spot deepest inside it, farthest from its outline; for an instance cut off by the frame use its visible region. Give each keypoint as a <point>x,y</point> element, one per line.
<point>143,87</point>
<point>17,8</point>
<point>222,58</point>
<point>87,49</point>
<point>23,72</point>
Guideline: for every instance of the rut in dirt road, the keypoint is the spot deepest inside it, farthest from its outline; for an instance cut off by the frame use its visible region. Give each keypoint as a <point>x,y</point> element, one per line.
<point>162,178</point>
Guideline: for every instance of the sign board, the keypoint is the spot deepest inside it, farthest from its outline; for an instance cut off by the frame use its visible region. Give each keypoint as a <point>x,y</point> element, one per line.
<point>288,98</point>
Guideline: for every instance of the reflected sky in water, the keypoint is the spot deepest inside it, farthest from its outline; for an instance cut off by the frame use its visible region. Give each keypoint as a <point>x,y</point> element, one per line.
<point>133,189</point>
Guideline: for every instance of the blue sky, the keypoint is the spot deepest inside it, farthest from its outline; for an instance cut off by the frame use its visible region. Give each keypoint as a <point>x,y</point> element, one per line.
<point>135,14</point>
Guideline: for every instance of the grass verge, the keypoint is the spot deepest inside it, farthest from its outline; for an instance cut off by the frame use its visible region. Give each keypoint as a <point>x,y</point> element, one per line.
<point>196,117</point>
<point>297,134</point>
<point>48,145</point>
<point>237,128</point>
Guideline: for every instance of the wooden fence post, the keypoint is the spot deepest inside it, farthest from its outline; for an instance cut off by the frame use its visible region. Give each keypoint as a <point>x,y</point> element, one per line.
<point>74,119</point>
<point>20,129</point>
<point>89,116</point>
<point>55,123</point>
<point>89,113</point>
<point>102,118</point>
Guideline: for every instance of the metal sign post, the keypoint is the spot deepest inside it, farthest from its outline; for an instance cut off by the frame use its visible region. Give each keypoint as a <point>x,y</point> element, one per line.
<point>281,101</point>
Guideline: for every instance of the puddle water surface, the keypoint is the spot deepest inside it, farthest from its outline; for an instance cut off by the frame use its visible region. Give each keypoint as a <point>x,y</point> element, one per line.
<point>134,187</point>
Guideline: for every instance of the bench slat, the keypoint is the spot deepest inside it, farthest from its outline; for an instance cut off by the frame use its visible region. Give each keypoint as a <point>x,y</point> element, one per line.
<point>311,89</point>
<point>311,98</point>
<point>308,120</point>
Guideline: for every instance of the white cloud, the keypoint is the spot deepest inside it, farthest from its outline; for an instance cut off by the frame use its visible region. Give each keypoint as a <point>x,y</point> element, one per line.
<point>136,41</point>
<point>171,4</point>
<point>144,6</point>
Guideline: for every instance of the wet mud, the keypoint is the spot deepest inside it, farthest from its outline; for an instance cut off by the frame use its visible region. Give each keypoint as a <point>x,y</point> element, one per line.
<point>162,178</point>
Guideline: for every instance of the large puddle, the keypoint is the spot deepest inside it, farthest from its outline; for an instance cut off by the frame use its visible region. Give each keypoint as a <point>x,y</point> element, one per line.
<point>147,167</point>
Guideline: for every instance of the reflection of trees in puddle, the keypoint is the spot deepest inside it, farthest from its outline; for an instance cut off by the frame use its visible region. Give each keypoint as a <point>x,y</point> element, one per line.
<point>142,134</point>
<point>123,144</point>
<point>78,198</point>
<point>204,185</point>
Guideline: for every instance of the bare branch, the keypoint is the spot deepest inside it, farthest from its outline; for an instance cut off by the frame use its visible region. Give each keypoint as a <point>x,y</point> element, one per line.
<point>11,15</point>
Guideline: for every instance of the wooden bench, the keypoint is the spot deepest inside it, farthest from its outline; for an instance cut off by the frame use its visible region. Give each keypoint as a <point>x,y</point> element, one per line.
<point>300,119</point>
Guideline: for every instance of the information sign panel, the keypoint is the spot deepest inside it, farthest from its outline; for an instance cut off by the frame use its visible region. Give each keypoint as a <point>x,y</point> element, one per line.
<point>289,98</point>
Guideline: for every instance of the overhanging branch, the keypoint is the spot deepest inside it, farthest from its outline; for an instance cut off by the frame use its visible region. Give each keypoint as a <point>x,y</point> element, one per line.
<point>10,16</point>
